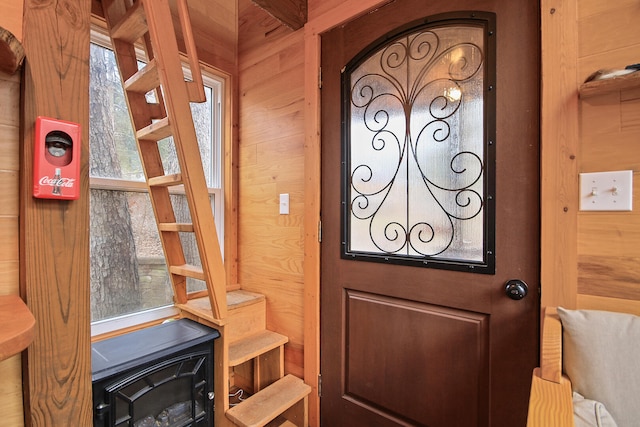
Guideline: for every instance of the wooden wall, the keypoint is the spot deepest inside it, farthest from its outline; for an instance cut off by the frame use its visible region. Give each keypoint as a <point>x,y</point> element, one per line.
<point>586,256</point>
<point>271,162</point>
<point>589,259</point>
<point>11,17</point>
<point>10,370</point>
<point>608,244</point>
<point>54,234</point>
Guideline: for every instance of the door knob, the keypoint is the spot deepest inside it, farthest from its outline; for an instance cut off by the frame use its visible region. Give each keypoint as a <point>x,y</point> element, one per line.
<point>516,289</point>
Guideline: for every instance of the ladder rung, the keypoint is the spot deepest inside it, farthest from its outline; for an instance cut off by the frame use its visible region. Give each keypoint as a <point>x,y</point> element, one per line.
<point>187,270</point>
<point>145,80</point>
<point>132,26</point>
<point>174,226</point>
<point>165,180</point>
<point>156,131</point>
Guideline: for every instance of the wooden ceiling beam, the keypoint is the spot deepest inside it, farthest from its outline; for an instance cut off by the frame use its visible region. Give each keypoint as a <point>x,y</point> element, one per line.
<point>292,13</point>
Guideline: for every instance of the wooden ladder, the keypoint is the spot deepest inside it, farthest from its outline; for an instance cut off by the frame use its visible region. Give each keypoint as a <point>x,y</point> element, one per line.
<point>245,345</point>
<point>149,24</point>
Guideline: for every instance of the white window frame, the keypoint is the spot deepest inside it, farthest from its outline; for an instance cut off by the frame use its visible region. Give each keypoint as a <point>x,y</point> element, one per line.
<point>219,84</point>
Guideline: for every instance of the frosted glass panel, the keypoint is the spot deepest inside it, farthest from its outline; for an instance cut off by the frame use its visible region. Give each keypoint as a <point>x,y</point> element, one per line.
<point>415,148</point>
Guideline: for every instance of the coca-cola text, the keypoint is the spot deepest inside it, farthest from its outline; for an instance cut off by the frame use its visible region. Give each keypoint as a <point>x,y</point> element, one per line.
<point>57,182</point>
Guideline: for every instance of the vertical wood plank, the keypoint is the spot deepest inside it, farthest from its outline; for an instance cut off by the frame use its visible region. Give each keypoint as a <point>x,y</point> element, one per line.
<point>312,32</point>
<point>11,392</point>
<point>54,234</point>
<point>11,17</point>
<point>11,406</point>
<point>559,134</point>
<point>607,242</point>
<point>271,84</point>
<point>231,161</point>
<point>312,220</point>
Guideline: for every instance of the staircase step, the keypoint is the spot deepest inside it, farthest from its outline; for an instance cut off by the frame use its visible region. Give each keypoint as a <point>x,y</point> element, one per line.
<point>269,403</point>
<point>278,422</point>
<point>254,345</point>
<point>145,80</point>
<point>242,298</point>
<point>246,313</point>
<point>132,26</point>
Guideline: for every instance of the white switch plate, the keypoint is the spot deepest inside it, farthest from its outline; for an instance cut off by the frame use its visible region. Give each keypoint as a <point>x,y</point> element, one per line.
<point>284,204</point>
<point>606,191</point>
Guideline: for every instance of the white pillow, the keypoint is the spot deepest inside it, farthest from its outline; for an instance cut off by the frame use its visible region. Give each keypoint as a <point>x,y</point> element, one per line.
<point>601,356</point>
<point>589,413</point>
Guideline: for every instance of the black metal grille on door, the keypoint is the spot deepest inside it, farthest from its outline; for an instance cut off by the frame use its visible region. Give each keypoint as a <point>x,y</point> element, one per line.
<point>418,144</point>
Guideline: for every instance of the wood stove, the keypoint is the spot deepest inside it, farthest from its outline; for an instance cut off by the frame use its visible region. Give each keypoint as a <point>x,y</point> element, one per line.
<point>160,376</point>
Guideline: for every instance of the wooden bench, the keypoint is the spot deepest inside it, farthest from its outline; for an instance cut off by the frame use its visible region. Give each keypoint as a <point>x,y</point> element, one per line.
<point>597,348</point>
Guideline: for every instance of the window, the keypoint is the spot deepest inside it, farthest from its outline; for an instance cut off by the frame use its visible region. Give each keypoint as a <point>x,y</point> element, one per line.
<point>129,280</point>
<point>418,134</point>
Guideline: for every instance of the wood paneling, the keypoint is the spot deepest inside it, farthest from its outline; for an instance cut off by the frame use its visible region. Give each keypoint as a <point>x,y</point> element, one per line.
<point>607,242</point>
<point>10,369</point>
<point>617,58</point>
<point>11,392</point>
<point>559,134</point>
<point>268,137</point>
<point>11,17</point>
<point>214,25</point>
<point>54,234</point>
<point>604,30</point>
<point>609,276</point>
<point>292,13</point>
<point>9,278</point>
<point>215,30</point>
<point>588,258</point>
<point>596,149</point>
<point>319,22</point>
<point>590,302</point>
<point>630,113</point>
<point>271,101</point>
<point>609,36</point>
<point>9,183</point>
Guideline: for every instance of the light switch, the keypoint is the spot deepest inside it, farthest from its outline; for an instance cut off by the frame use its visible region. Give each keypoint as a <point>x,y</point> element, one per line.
<point>606,191</point>
<point>284,204</point>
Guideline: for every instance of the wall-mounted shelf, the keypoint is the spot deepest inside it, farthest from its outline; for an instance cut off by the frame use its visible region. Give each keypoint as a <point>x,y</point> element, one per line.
<point>601,87</point>
<point>17,323</point>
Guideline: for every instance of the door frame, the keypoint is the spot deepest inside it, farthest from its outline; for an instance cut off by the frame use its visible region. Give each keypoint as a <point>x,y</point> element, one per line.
<point>558,275</point>
<point>313,30</point>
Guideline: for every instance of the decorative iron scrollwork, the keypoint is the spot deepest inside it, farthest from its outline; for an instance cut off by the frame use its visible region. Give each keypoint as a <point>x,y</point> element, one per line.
<point>414,162</point>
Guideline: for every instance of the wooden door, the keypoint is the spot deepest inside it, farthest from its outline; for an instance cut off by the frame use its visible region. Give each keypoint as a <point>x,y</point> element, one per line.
<point>424,338</point>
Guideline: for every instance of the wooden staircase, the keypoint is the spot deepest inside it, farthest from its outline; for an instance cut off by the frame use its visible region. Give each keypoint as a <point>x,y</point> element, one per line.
<point>247,355</point>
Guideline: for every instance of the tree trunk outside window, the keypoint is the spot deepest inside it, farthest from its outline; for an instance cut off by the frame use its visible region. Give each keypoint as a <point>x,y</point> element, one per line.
<point>114,274</point>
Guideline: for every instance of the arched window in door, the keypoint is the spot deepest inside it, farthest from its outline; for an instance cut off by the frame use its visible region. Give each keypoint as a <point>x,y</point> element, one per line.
<point>419,146</point>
